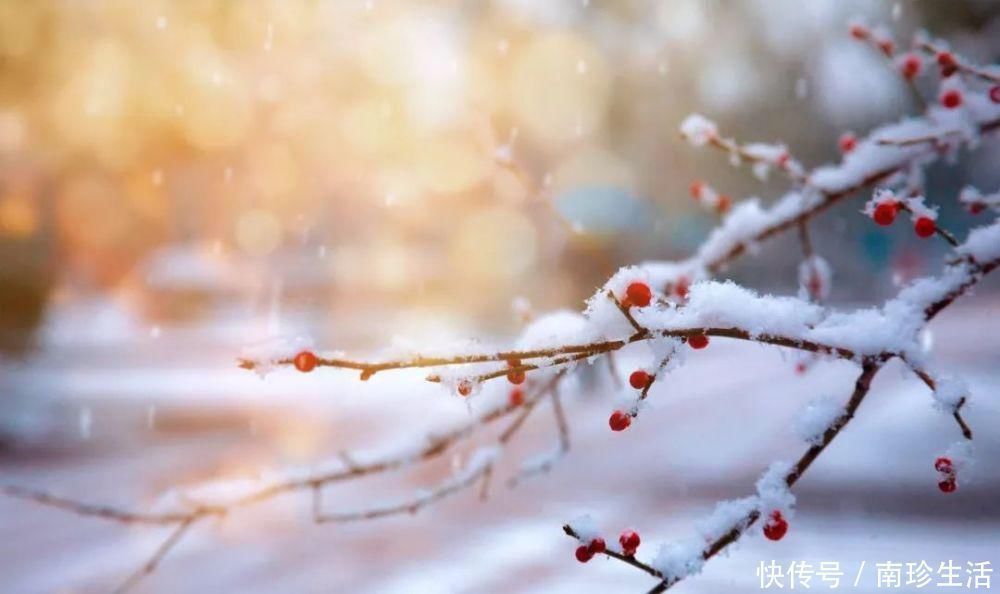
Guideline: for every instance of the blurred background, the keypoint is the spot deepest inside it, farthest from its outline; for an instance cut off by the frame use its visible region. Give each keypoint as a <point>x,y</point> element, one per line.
<point>181,179</point>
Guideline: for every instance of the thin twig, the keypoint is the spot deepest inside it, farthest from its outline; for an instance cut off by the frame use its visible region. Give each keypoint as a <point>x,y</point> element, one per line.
<point>87,509</point>
<point>154,561</point>
<point>453,485</point>
<point>628,559</point>
<point>639,330</point>
<point>789,166</point>
<point>805,240</point>
<point>410,506</point>
<point>932,384</point>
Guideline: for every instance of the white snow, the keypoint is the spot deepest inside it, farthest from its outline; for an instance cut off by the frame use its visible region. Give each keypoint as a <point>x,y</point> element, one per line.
<point>971,197</point>
<point>949,391</point>
<point>772,490</point>
<point>982,244</point>
<point>698,129</point>
<point>962,460</point>
<point>817,417</point>
<point>585,527</point>
<point>678,560</point>
<point>728,305</point>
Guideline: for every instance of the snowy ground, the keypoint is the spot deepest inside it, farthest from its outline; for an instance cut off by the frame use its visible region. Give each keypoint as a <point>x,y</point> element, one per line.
<point>122,425</point>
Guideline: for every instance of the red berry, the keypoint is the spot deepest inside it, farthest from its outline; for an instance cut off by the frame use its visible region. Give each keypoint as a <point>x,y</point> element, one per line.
<point>597,546</point>
<point>698,341</point>
<point>783,159</point>
<point>977,207</point>
<point>723,204</point>
<point>885,213</point>
<point>995,93</point>
<point>516,397</point>
<point>639,294</point>
<point>619,421</point>
<point>943,464</point>
<point>947,63</point>
<point>948,485</point>
<point>464,387</point>
<point>516,376</point>
<point>859,32</point>
<point>682,286</point>
<point>815,285</point>
<point>951,99</point>
<point>847,142</point>
<point>697,187</point>
<point>924,227</point>
<point>305,361</point>
<point>776,526</point>
<point>639,379</point>
<point>910,66</point>
<point>800,368</point>
<point>629,540</point>
<point>887,46</point>
<point>583,553</point>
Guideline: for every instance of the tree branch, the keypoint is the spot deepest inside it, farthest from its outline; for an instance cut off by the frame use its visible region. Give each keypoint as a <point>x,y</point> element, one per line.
<point>861,386</point>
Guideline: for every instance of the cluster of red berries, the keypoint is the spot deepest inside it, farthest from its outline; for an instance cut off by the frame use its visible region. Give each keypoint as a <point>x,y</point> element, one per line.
<point>586,552</point>
<point>946,469</point>
<point>885,213</point>
<point>946,61</point>
<point>629,541</point>
<point>305,361</point>
<point>776,526</point>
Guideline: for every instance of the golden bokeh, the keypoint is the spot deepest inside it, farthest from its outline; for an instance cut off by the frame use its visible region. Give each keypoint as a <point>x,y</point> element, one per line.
<point>494,245</point>
<point>258,232</point>
<point>560,87</point>
<point>269,125</point>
